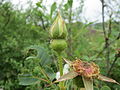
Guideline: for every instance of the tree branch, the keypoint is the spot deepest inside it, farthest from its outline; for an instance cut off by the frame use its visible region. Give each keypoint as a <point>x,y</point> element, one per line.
<point>113,63</point>
<point>117,38</point>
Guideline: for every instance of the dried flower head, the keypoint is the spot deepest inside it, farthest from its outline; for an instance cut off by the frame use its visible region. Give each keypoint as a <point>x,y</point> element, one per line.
<point>88,71</point>
<point>85,69</point>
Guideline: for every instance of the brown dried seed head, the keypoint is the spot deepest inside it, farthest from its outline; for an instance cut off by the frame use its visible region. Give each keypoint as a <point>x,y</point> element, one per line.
<point>86,69</point>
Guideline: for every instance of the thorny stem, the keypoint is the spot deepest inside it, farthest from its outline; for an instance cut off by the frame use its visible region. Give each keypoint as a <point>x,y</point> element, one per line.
<point>60,63</point>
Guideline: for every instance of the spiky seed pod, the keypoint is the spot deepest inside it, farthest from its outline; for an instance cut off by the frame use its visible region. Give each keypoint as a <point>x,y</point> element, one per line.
<point>58,29</point>
<point>58,45</point>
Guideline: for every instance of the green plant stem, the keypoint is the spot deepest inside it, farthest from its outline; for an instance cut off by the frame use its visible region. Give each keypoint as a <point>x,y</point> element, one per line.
<point>60,63</point>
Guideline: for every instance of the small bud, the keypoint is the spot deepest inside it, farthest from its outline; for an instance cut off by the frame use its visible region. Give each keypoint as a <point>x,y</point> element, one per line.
<point>58,29</point>
<point>58,45</point>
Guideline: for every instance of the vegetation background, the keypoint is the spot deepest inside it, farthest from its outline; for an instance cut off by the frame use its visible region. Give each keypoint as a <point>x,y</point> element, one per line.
<point>25,55</point>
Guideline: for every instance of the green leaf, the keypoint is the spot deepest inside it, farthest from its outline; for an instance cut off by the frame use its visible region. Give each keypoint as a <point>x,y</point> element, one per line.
<point>53,7</point>
<point>70,2</point>
<point>27,79</point>
<point>51,74</point>
<point>66,6</point>
<point>41,54</point>
<point>88,83</point>
<point>96,88</point>
<point>39,4</point>
<point>105,88</point>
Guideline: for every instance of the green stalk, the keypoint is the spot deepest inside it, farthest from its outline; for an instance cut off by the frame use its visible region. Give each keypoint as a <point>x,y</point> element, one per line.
<point>60,63</point>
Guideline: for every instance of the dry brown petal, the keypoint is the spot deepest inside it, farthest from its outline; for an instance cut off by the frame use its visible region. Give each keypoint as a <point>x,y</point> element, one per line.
<point>68,62</point>
<point>104,78</point>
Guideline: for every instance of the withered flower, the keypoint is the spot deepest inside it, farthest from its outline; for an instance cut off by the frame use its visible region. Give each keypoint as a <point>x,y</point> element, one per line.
<point>88,71</point>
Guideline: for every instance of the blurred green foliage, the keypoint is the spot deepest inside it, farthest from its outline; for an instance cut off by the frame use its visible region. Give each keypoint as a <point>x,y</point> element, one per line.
<point>25,54</point>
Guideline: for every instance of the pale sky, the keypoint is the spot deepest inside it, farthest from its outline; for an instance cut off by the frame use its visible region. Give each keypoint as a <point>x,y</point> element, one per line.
<point>91,10</point>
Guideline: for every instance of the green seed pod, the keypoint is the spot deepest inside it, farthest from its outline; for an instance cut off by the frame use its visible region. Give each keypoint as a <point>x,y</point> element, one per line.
<point>58,45</point>
<point>58,29</point>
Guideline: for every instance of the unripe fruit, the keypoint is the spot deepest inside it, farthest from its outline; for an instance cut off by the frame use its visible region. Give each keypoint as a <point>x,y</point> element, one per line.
<point>58,29</point>
<point>58,45</point>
